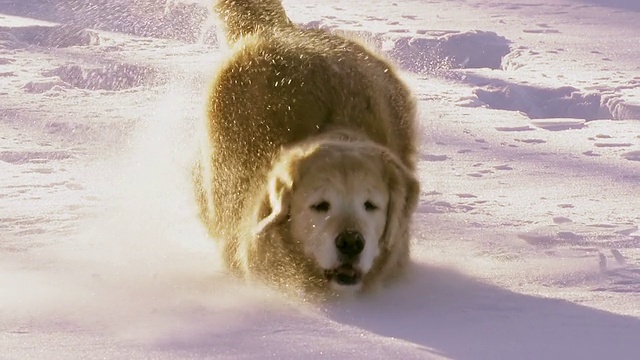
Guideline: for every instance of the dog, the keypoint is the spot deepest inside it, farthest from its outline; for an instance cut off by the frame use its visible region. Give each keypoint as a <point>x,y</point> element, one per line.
<point>307,175</point>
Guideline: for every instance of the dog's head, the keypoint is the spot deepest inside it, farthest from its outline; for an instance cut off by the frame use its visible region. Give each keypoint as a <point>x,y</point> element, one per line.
<point>345,204</point>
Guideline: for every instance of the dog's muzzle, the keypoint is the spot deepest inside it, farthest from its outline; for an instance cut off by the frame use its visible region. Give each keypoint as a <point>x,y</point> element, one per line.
<point>349,245</point>
<point>345,274</point>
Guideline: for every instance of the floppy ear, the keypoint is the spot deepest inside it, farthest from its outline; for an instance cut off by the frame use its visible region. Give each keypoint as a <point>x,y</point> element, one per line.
<point>403,197</point>
<point>275,200</point>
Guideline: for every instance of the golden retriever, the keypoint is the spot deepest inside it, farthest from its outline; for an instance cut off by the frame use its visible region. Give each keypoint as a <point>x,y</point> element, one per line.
<point>307,175</point>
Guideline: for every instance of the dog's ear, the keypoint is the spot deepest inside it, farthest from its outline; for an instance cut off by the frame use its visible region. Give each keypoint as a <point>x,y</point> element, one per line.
<point>275,200</point>
<point>404,190</point>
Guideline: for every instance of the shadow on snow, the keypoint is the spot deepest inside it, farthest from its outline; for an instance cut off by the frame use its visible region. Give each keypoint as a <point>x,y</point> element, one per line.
<point>463,318</point>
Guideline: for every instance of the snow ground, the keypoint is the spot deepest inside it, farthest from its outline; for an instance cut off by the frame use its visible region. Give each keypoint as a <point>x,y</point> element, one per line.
<point>526,240</point>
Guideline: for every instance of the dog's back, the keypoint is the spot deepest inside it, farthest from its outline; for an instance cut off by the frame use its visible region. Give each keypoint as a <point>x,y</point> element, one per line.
<point>243,17</point>
<point>305,81</point>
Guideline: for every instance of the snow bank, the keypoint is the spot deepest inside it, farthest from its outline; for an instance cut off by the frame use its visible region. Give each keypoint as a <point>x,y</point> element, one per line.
<point>540,101</point>
<point>57,36</point>
<point>181,20</point>
<point>440,53</point>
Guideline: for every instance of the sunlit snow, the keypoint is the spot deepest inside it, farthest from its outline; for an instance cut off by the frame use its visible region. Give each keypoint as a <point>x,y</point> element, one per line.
<point>525,242</point>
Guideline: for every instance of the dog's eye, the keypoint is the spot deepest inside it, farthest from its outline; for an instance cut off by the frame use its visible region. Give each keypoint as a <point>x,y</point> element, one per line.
<point>322,206</point>
<point>369,206</point>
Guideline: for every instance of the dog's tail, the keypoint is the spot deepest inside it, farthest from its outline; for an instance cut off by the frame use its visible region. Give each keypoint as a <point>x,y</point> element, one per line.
<point>244,17</point>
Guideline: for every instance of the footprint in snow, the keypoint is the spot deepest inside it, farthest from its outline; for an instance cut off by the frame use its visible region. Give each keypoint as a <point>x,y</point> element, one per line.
<point>33,157</point>
<point>566,206</point>
<point>531,141</point>
<point>562,220</point>
<point>466,196</point>
<point>541,31</point>
<point>514,128</point>
<point>480,173</point>
<point>611,144</point>
<point>632,155</point>
<point>431,157</point>
<point>74,186</point>
<point>443,207</point>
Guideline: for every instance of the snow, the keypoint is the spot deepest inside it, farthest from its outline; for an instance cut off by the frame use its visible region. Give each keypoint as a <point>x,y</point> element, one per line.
<point>525,241</point>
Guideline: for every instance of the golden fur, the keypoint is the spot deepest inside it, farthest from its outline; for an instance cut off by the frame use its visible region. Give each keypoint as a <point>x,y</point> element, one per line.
<point>285,101</point>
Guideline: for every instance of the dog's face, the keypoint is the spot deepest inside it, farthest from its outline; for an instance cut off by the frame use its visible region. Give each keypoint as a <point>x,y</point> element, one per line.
<point>342,203</point>
<point>338,213</point>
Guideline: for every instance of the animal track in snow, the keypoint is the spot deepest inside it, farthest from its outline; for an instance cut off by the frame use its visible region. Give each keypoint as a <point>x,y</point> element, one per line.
<point>566,206</point>
<point>541,31</point>
<point>550,102</point>
<point>38,157</point>
<point>539,102</point>
<point>531,141</point>
<point>431,157</point>
<point>562,220</point>
<point>435,202</point>
<point>611,144</point>
<point>480,173</point>
<point>632,155</point>
<point>565,232</point>
<point>590,153</point>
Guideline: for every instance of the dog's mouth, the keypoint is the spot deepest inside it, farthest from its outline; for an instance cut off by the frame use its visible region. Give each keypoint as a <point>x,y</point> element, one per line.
<point>345,274</point>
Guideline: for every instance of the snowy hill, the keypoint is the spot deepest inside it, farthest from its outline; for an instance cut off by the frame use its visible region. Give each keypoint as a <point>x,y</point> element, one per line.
<point>525,244</point>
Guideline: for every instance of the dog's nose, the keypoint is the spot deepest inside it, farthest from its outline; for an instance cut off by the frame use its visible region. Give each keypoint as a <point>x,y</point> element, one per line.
<point>350,243</point>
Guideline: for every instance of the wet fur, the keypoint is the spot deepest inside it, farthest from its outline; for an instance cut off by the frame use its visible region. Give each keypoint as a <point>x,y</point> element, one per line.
<point>284,98</point>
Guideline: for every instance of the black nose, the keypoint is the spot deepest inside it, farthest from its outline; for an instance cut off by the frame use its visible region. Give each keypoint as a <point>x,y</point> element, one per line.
<point>350,243</point>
